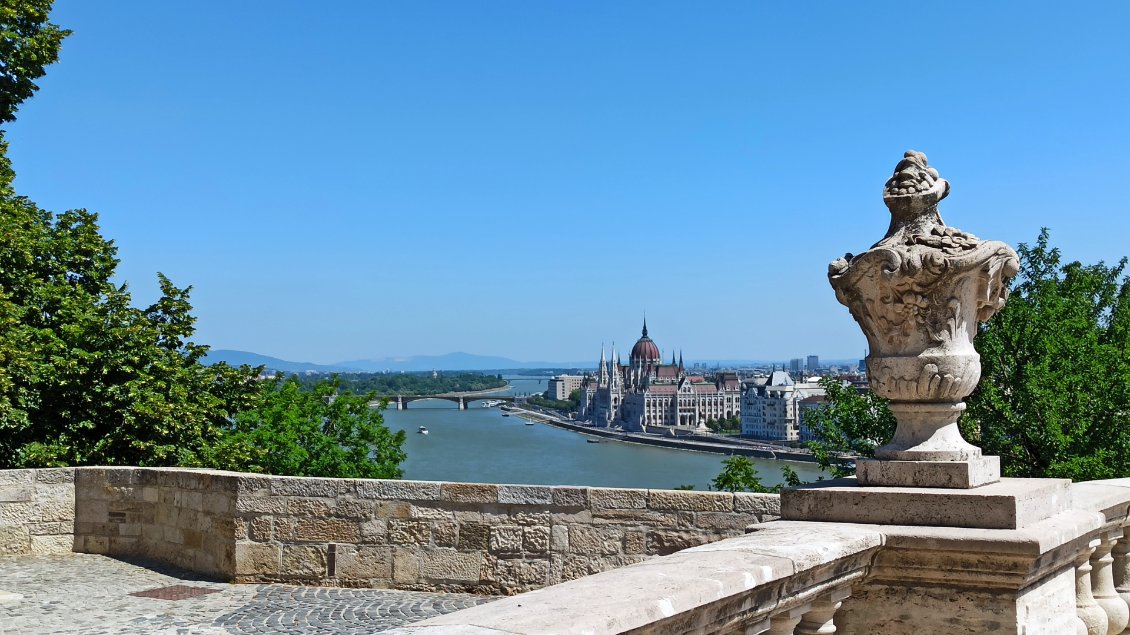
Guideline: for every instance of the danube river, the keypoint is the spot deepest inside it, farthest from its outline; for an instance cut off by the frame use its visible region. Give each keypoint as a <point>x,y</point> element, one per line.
<point>481,445</point>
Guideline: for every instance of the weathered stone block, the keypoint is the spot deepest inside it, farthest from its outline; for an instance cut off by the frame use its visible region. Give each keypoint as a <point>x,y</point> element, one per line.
<point>761,505</point>
<point>251,558</point>
<point>506,539</point>
<point>14,539</point>
<point>306,561</point>
<point>526,517</point>
<point>399,490</point>
<point>374,531</point>
<point>525,494</point>
<point>536,538</point>
<point>96,545</point>
<point>634,517</point>
<point>469,492</point>
<point>594,540</point>
<point>364,562</point>
<point>728,522</point>
<point>353,509</point>
<point>690,501</point>
<point>405,565</point>
<point>662,543</point>
<point>261,529</point>
<point>17,478</point>
<point>614,498</point>
<point>304,486</point>
<point>635,542</point>
<point>559,538</point>
<point>523,574</point>
<point>55,476</point>
<point>17,514</point>
<point>51,528</point>
<point>53,509</point>
<point>309,507</point>
<point>474,536</point>
<point>570,497</point>
<point>565,567</point>
<point>409,532</point>
<point>445,533</point>
<point>149,494</point>
<point>15,494</point>
<point>393,509</point>
<point>216,502</point>
<point>431,512</point>
<point>260,504</point>
<point>326,530</point>
<point>448,565</point>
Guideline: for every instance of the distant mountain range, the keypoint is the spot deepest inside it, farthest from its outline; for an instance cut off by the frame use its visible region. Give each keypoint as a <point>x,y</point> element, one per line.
<point>450,361</point>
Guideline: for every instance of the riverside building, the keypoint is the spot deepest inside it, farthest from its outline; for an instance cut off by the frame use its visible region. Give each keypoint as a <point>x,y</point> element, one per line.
<point>648,395</point>
<point>772,408</point>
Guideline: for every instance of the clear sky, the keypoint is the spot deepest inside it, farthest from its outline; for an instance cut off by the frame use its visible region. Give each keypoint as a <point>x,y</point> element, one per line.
<point>354,180</point>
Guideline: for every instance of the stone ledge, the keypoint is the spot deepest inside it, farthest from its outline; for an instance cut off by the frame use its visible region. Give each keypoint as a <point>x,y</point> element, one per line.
<point>940,474</point>
<point>1009,504</point>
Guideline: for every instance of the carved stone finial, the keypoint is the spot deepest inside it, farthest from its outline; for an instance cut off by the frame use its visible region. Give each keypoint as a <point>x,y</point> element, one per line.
<point>918,294</point>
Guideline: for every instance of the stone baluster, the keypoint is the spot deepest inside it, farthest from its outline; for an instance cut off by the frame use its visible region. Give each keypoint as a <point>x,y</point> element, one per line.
<point>819,619</point>
<point>1093,619</point>
<point>1121,568</point>
<point>785,623</point>
<point>1102,583</point>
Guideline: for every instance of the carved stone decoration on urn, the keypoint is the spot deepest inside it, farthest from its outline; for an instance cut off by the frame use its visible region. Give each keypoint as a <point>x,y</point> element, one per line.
<point>919,294</point>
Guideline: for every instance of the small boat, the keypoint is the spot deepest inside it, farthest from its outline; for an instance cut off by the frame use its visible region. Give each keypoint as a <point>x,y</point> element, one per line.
<point>591,441</point>
<point>423,430</point>
<point>529,423</point>
<point>505,414</point>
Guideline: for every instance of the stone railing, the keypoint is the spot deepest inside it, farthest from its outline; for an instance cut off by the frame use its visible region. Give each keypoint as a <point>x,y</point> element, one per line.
<point>1057,576</point>
<point>355,532</point>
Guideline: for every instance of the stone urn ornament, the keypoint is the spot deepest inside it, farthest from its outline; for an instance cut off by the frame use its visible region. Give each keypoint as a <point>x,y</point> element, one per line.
<point>919,294</point>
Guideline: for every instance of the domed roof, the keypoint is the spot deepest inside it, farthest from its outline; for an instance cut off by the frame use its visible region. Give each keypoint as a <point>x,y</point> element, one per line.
<point>645,350</point>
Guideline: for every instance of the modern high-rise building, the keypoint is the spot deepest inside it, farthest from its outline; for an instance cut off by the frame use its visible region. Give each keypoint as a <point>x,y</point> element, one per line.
<point>813,364</point>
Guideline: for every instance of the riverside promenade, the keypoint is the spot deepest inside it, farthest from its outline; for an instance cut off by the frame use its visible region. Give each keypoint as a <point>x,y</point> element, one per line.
<point>86,594</point>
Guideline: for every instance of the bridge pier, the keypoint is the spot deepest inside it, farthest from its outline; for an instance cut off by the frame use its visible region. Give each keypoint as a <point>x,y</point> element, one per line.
<point>462,404</point>
<point>400,403</point>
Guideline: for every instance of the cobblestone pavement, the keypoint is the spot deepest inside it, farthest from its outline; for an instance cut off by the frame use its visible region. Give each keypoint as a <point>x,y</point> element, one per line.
<point>82,594</point>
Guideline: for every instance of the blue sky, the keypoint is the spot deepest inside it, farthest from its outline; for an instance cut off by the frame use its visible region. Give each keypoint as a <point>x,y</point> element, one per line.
<point>367,179</point>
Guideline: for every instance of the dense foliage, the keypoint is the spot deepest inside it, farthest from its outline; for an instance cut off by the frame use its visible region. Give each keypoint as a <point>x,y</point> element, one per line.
<point>561,405</point>
<point>850,423</point>
<point>324,431</point>
<point>88,378</point>
<point>739,475</point>
<point>392,384</point>
<point>1054,396</point>
<point>725,424</point>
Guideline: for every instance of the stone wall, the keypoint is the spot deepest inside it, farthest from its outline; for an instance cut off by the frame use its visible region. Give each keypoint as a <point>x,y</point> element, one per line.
<point>468,536</point>
<point>37,511</point>
<point>378,533</point>
<point>181,517</point>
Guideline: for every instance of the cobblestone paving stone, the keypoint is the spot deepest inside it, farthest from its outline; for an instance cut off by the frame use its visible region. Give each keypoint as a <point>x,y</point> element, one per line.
<point>82,594</point>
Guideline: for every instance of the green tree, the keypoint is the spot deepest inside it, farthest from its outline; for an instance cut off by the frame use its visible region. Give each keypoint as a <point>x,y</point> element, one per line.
<point>850,423</point>
<point>1054,396</point>
<point>739,475</point>
<point>86,377</point>
<point>319,432</point>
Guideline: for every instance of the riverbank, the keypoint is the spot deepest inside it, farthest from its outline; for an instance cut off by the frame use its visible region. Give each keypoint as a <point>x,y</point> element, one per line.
<point>715,446</point>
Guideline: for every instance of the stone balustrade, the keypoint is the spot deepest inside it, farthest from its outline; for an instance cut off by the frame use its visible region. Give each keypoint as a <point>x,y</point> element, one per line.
<point>1067,574</point>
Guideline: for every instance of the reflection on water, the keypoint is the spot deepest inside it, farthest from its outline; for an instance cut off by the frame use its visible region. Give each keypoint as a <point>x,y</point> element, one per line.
<point>481,445</point>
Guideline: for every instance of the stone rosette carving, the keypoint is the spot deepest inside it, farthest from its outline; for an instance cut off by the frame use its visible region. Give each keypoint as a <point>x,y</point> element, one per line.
<point>919,294</point>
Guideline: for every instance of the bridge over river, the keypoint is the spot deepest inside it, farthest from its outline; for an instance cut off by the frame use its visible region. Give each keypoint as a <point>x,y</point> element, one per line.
<point>462,399</point>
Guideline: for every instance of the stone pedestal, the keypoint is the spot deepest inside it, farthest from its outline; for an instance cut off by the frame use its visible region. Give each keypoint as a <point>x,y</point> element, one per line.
<point>967,474</point>
<point>1011,503</point>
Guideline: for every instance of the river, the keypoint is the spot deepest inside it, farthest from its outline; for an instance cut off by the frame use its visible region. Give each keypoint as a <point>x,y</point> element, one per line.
<point>481,445</point>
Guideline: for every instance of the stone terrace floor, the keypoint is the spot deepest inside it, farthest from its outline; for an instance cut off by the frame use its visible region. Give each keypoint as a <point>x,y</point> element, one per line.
<point>84,594</point>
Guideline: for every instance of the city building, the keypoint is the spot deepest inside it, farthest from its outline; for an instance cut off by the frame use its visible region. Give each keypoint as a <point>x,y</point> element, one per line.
<point>648,395</point>
<point>813,364</point>
<point>771,407</point>
<point>561,386</point>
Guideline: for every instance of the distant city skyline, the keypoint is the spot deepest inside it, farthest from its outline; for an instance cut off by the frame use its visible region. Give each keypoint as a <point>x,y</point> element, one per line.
<point>369,180</point>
